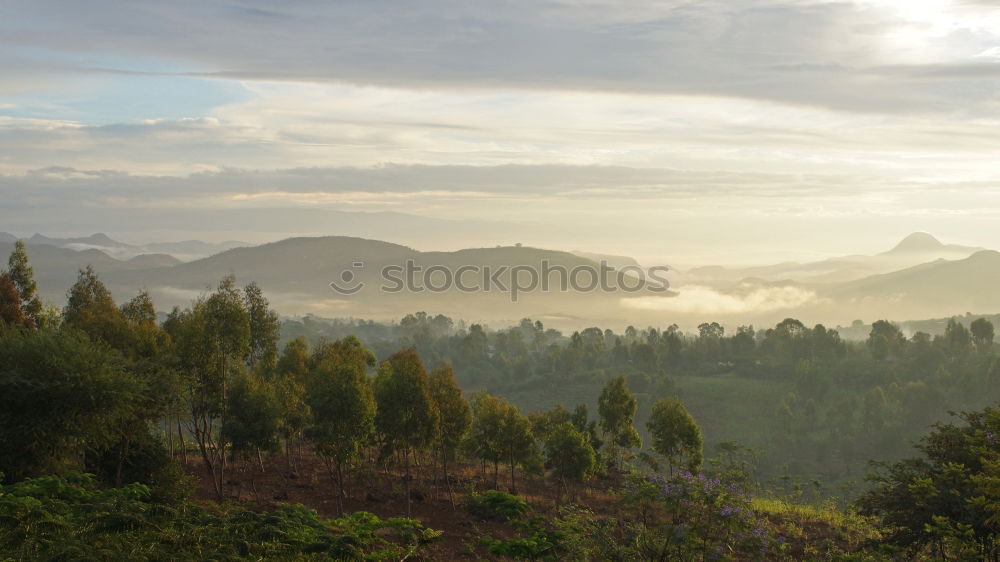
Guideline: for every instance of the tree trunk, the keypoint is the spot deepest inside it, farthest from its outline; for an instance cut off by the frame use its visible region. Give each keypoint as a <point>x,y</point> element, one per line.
<point>202,439</point>
<point>122,454</point>
<point>340,490</point>
<point>221,448</point>
<point>170,437</point>
<point>181,444</point>
<point>406,479</point>
<point>447,481</point>
<point>513,484</point>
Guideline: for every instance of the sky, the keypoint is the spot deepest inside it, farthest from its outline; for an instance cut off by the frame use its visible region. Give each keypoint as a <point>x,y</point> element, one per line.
<point>678,132</point>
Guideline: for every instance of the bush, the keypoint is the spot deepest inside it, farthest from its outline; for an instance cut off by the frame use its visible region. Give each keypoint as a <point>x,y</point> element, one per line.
<point>53,518</point>
<point>171,484</point>
<point>492,504</point>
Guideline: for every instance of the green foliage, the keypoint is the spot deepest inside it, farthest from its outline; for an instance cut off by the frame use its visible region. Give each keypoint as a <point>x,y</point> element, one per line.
<point>343,409</point>
<point>981,330</point>
<point>264,326</point>
<point>702,518</point>
<point>252,420</point>
<point>948,499</point>
<point>60,395</point>
<point>406,415</point>
<point>492,504</point>
<point>22,275</point>
<point>542,541</point>
<point>343,414</point>
<point>676,436</point>
<point>568,453</point>
<point>11,313</point>
<point>486,434</point>
<point>52,518</point>
<point>90,308</point>
<point>455,414</point>
<point>617,407</point>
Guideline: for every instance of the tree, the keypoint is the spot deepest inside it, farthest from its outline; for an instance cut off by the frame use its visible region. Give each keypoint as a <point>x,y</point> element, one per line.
<point>406,416</point>
<point>957,338</point>
<point>616,408</point>
<point>61,397</point>
<point>291,376</point>
<point>486,436</point>
<point>518,443</point>
<point>147,338</point>
<point>132,331</point>
<point>874,409</point>
<point>343,411</point>
<point>142,343</point>
<point>982,334</point>
<point>948,498</point>
<point>568,454</point>
<point>455,415</point>
<point>11,313</point>
<point>23,276</point>
<point>213,342</point>
<point>675,434</point>
<point>252,418</point>
<point>885,340</point>
<point>264,328</point>
<point>90,308</point>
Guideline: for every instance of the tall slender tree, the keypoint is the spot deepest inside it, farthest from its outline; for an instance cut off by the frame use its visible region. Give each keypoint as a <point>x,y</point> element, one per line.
<point>23,276</point>
<point>454,415</point>
<point>343,412</point>
<point>264,328</point>
<point>675,434</point>
<point>616,408</point>
<point>11,312</point>
<point>406,416</point>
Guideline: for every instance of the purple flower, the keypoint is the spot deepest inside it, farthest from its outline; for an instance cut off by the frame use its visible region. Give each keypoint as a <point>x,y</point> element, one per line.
<point>729,511</point>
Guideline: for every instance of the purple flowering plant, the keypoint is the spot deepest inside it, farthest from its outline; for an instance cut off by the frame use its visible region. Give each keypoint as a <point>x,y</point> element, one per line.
<point>700,517</point>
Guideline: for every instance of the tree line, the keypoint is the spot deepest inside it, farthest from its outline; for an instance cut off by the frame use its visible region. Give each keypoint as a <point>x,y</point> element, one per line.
<point>111,390</point>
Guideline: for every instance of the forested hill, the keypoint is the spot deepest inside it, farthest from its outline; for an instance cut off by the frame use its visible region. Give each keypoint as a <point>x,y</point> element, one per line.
<point>123,435</point>
<point>918,278</point>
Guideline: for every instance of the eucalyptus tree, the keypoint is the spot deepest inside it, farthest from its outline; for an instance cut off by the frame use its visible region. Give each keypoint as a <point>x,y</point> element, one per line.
<point>616,408</point>
<point>212,344</point>
<point>343,416</point>
<point>454,415</point>
<point>569,454</point>
<point>23,276</point>
<point>11,313</point>
<point>406,415</point>
<point>264,328</point>
<point>486,434</point>
<point>675,434</point>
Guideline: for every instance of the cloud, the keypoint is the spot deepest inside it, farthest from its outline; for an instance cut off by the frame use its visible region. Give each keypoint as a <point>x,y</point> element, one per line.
<point>696,299</point>
<point>816,53</point>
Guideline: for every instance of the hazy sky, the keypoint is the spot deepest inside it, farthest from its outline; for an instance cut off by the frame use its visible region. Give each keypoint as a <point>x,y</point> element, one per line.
<point>701,131</point>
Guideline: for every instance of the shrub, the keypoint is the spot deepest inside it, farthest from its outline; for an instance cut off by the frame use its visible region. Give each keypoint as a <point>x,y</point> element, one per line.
<point>492,504</point>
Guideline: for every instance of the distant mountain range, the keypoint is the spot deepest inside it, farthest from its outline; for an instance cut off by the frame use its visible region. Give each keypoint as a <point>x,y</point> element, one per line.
<point>915,249</point>
<point>918,278</point>
<point>185,250</point>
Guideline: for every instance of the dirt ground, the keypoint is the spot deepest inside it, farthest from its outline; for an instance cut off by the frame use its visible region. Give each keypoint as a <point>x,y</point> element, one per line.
<point>374,489</point>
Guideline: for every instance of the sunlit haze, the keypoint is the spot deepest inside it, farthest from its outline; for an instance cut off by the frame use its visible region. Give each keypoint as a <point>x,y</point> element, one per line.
<point>675,132</point>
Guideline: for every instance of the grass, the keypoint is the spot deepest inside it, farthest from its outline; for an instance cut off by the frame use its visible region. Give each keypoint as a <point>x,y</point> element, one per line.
<point>816,523</point>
